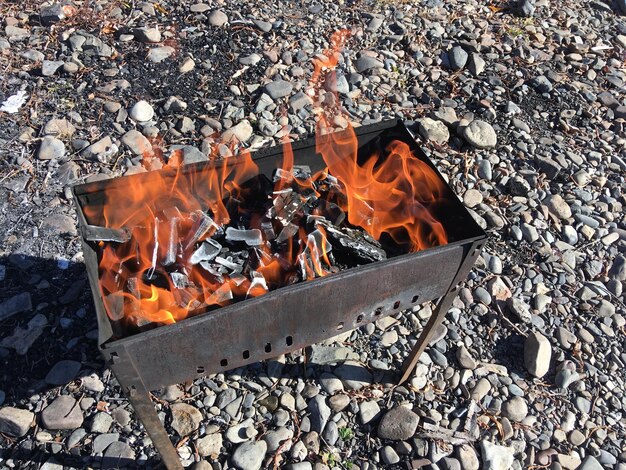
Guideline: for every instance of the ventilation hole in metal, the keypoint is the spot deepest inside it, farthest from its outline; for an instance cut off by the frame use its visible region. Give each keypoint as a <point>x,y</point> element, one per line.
<point>200,370</point>
<point>359,319</point>
<point>268,347</point>
<point>415,299</point>
<point>396,304</point>
<point>289,340</point>
<point>246,354</point>
<point>378,311</point>
<point>224,362</point>
<point>340,326</point>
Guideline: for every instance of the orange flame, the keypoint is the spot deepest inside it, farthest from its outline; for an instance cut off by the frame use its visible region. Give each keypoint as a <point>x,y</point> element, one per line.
<point>171,211</point>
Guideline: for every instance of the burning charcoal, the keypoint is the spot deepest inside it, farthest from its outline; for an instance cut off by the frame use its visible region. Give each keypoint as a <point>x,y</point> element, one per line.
<point>207,251</point>
<point>208,267</point>
<point>302,172</point>
<point>155,251</point>
<point>258,282</point>
<point>94,233</point>
<point>222,294</point>
<point>286,205</point>
<point>172,244</point>
<point>238,279</point>
<point>201,226</point>
<point>251,237</point>
<point>132,285</point>
<point>268,230</point>
<point>287,232</point>
<point>179,280</point>
<point>320,242</point>
<point>354,243</point>
<point>228,263</point>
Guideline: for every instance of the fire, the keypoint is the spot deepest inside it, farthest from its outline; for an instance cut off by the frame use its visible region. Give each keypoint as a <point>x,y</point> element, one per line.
<point>172,263</point>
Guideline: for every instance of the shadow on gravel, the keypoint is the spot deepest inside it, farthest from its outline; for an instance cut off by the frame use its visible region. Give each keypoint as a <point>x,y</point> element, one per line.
<point>36,458</point>
<point>46,315</point>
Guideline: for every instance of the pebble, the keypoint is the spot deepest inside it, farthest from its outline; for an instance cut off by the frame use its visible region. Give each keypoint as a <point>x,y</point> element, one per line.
<point>537,354</point>
<point>118,454</point>
<point>319,413</point>
<point>515,409</point>
<point>217,18</point>
<point>496,457</point>
<point>367,62</point>
<point>101,422</point>
<point>51,148</point>
<point>185,418</point>
<point>368,411</point>
<point>142,111</point>
<point>15,422</point>
<point>389,455</point>
<point>63,372</point>
<point>50,67</point>
<point>558,207</point>
<point>137,143</point>
<point>457,57</point>
<point>480,134</point>
<point>148,35</point>
<point>398,424</point>
<point>278,89</point>
<point>62,413</point>
<point>159,54</point>
<point>433,131</point>
<point>249,455</point>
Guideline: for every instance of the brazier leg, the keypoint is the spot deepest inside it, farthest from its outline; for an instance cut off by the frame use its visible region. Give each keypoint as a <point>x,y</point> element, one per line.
<point>426,335</point>
<point>140,399</point>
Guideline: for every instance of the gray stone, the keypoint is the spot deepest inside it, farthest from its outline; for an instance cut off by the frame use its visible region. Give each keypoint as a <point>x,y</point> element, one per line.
<point>331,433</point>
<point>496,457</point>
<point>210,445</point>
<point>476,64</point>
<point>515,409</point>
<point>480,390</point>
<point>274,439</point>
<point>368,411</point>
<point>519,309</point>
<point>278,89</point>
<point>264,26</point>
<point>159,54</point>
<point>137,143</point>
<point>51,148</point>
<point>148,35</point>
<point>217,18</point>
<point>49,67</point>
<point>53,13</point>
<point>319,413</point>
<point>101,150</point>
<point>62,413</point>
<point>15,422</point>
<point>185,418</point>
<point>102,441</point>
<point>433,131</point>
<point>537,354</point>
<point>142,111</point>
<point>174,104</point>
<point>617,271</point>
<point>465,358</point>
<point>558,207</point>
<point>330,383</point>
<point>118,455</point>
<point>299,101</point>
<point>398,424</point>
<point>353,375</point>
<point>526,7</point>
<point>14,305</point>
<point>472,198</point>
<point>241,132</point>
<point>367,62</point>
<point>75,438</point>
<point>457,57</point>
<point>249,455</point>
<point>542,84</point>
<point>480,134</point>
<point>101,422</point>
<point>590,463</point>
<point>468,457</point>
<point>59,128</point>
<point>251,59</point>
<point>63,372</point>
<point>389,455</point>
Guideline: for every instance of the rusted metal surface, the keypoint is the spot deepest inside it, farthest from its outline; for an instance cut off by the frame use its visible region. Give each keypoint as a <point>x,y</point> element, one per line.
<point>288,318</point>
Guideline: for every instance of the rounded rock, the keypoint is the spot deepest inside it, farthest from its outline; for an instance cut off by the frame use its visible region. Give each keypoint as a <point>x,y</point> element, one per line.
<point>142,111</point>
<point>398,424</point>
<point>480,134</point>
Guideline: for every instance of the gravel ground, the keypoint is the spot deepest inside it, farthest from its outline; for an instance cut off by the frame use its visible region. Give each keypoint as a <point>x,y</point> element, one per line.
<point>522,107</point>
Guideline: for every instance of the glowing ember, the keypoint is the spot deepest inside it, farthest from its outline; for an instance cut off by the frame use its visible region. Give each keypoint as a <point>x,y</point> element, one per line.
<point>178,242</point>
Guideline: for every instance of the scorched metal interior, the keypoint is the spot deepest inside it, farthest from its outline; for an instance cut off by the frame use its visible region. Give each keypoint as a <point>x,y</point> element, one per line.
<point>288,318</point>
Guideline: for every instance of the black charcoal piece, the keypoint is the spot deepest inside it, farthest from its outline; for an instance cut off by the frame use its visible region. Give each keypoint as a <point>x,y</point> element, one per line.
<point>172,243</point>
<point>201,225</point>
<point>252,237</point>
<point>353,243</point>
<point>285,206</point>
<point>207,251</point>
<point>222,294</point>
<point>287,232</point>
<point>268,230</point>
<point>94,233</point>
<point>208,267</point>
<point>229,263</point>
<point>257,281</point>
<point>179,280</point>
